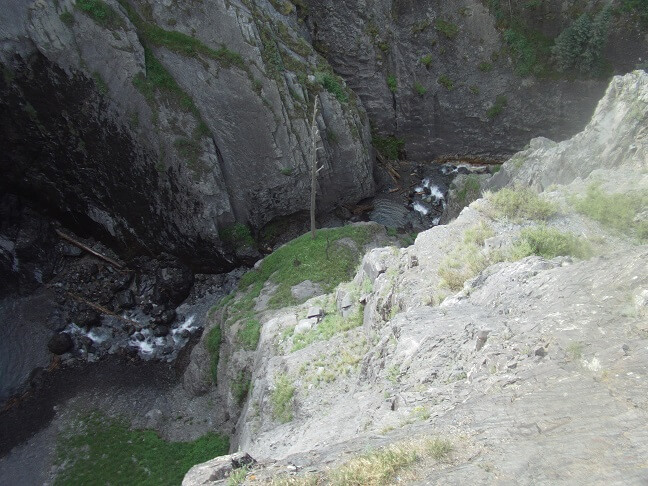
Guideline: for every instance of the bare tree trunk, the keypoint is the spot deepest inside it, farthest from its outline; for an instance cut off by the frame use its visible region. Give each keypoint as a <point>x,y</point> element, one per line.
<point>314,171</point>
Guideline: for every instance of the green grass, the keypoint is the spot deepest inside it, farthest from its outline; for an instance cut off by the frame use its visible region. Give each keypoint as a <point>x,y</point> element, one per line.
<point>549,243</point>
<point>241,387</point>
<point>485,67</point>
<point>470,189</point>
<point>333,85</point>
<point>445,81</point>
<point>102,13</point>
<point>500,103</point>
<point>392,83</point>
<point>521,203</point>
<point>321,260</point>
<point>419,89</point>
<point>281,398</point>
<point>249,334</point>
<point>99,451</point>
<point>615,211</point>
<point>331,325</point>
<point>463,263</point>
<point>389,147</point>
<point>426,60</point>
<point>213,344</point>
<point>448,29</point>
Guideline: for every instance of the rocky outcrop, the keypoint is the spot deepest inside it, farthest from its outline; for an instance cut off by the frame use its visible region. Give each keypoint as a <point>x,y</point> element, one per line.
<point>149,127</point>
<point>534,368</point>
<point>442,77</point>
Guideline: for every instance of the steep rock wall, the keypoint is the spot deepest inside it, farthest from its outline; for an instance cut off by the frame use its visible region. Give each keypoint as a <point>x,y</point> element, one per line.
<point>156,124</point>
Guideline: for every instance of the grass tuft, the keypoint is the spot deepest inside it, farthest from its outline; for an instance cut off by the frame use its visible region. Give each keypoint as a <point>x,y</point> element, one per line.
<point>102,13</point>
<point>282,398</point>
<point>549,243</point>
<point>249,334</point>
<point>331,325</point>
<point>521,203</point>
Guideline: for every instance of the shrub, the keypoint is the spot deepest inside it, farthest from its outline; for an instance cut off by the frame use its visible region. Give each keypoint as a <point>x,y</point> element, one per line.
<point>448,29</point>
<point>389,147</point>
<point>485,66</point>
<point>446,82</point>
<point>419,89</point>
<point>426,60</point>
<point>521,203</point>
<point>282,399</point>
<point>500,103</point>
<point>529,50</point>
<point>636,7</point>
<point>392,83</point>
<point>580,46</point>
<point>549,243</point>
<point>332,84</point>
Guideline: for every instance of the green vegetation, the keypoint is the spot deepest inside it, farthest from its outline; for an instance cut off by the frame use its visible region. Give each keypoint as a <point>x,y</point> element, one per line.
<point>237,476</point>
<point>580,46</point>
<point>67,18</point>
<point>467,259</point>
<point>322,260</point>
<point>618,212</point>
<point>102,13</point>
<point>638,8</point>
<point>102,87</point>
<point>333,85</point>
<point>549,243</point>
<point>521,203</point>
<point>213,344</point>
<point>331,325</point>
<point>420,26</point>
<point>448,29</point>
<point>446,82</point>
<point>381,466</point>
<point>500,103</point>
<point>101,450</point>
<point>392,83</point>
<point>575,350</point>
<point>249,334</point>
<point>287,171</point>
<point>419,89</point>
<point>530,51</point>
<point>237,235</point>
<point>241,387</point>
<point>426,60</point>
<point>485,67</point>
<point>282,398</point>
<point>389,147</point>
<point>470,189</point>
<point>474,90</point>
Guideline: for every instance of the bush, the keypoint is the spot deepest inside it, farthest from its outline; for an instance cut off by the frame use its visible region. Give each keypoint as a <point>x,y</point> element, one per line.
<point>332,84</point>
<point>389,147</point>
<point>580,46</point>
<point>419,89</point>
<point>282,399</point>
<point>549,243</point>
<point>426,60</point>
<point>521,203</point>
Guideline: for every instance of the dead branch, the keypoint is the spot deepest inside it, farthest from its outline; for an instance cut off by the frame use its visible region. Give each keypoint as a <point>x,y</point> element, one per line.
<point>90,250</point>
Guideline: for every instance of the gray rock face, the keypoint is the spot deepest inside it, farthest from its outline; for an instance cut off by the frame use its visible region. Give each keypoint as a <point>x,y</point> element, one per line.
<point>159,145</point>
<point>371,42</point>
<point>217,469</point>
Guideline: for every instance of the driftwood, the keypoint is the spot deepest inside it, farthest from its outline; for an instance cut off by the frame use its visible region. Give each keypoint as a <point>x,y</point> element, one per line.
<point>90,250</point>
<point>100,308</point>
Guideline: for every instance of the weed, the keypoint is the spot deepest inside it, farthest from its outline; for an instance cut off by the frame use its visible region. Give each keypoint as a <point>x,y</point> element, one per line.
<point>287,171</point>
<point>419,89</point>
<point>549,243</point>
<point>392,83</point>
<point>393,372</point>
<point>521,203</point>
<point>282,398</point>
<point>331,325</point>
<point>446,82</point>
<point>237,476</point>
<point>500,103</point>
<point>420,26</point>
<point>474,90</point>
<point>104,450</point>
<point>478,234</point>
<point>389,147</point>
<point>448,29</point>
<point>426,60</point>
<point>240,387</point>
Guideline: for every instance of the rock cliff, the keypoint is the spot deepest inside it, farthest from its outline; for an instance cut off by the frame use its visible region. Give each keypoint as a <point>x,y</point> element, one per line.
<point>517,333</point>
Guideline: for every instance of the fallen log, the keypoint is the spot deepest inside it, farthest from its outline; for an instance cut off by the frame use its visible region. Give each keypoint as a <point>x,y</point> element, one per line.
<point>90,250</point>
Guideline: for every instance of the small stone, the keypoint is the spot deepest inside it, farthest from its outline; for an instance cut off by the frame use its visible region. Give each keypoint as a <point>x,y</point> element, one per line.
<point>316,312</point>
<point>125,299</point>
<point>542,352</point>
<point>305,325</point>
<point>160,331</point>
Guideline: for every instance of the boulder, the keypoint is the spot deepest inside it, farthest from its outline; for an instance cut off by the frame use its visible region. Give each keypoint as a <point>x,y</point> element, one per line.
<point>60,343</point>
